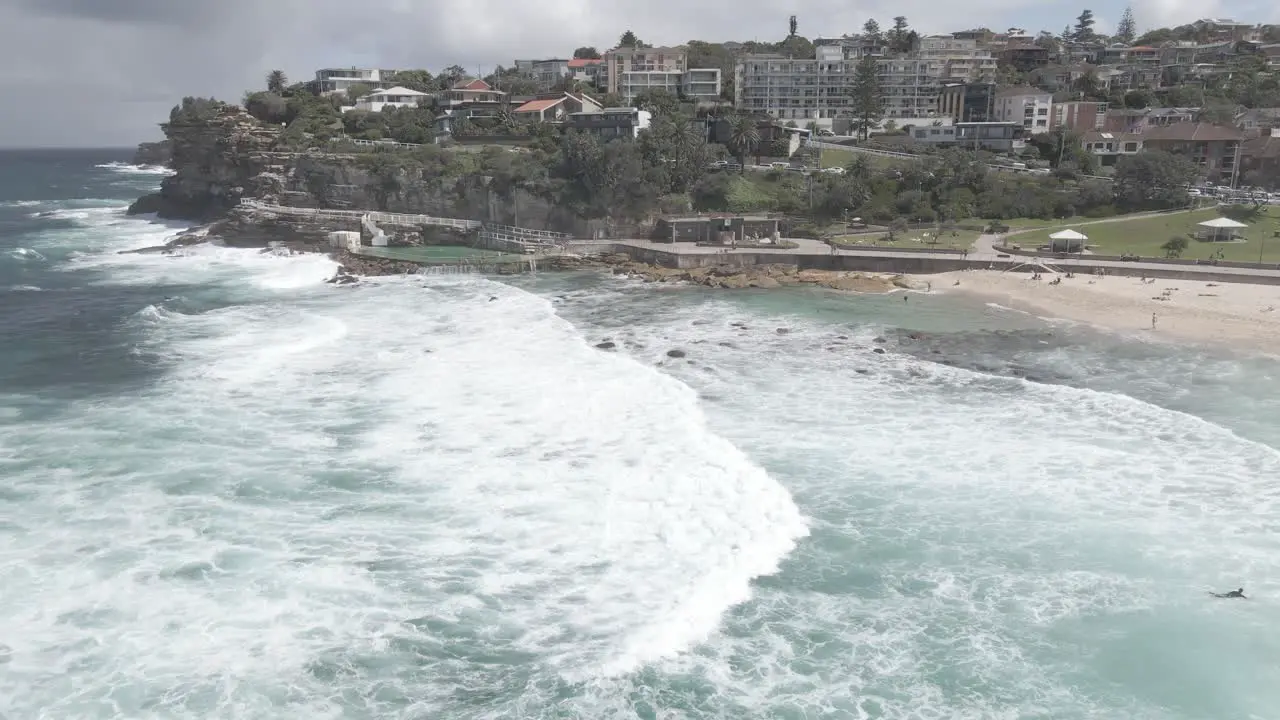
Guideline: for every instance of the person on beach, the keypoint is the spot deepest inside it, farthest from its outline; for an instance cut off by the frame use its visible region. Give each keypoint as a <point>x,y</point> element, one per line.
<point>1153,321</point>
<point>1238,593</point>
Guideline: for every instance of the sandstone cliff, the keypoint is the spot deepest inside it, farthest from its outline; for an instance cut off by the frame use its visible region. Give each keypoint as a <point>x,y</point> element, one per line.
<point>216,162</point>
<point>153,153</point>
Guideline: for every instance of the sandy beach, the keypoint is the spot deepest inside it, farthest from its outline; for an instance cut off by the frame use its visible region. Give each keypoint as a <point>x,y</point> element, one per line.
<point>1241,315</point>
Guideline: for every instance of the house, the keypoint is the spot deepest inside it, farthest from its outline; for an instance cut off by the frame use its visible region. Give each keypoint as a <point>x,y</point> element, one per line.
<point>610,122</point>
<point>545,73</point>
<point>1260,160</point>
<point>1108,147</point>
<point>1216,149</point>
<point>967,102</point>
<point>557,108</point>
<point>1227,30</point>
<point>1079,116</point>
<point>467,93</point>
<point>993,136</point>
<point>333,81</point>
<point>1024,58</point>
<point>1060,78</point>
<point>1256,120</point>
<point>395,97</point>
<point>1137,121</point>
<point>588,70</point>
<point>1025,105</point>
<point>1271,52</point>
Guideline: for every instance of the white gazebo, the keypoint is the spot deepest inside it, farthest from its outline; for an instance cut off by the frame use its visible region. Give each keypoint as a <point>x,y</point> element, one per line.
<point>1217,225</point>
<point>1071,241</point>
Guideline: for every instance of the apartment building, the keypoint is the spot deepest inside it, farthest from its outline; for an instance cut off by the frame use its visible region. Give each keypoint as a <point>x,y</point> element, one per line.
<point>701,84</point>
<point>1079,116</point>
<point>1026,105</point>
<point>631,71</point>
<point>1215,149</point>
<point>967,102</point>
<point>949,58</point>
<point>801,90</point>
<point>993,136</point>
<point>339,80</point>
<point>1123,120</point>
<point>818,90</point>
<point>909,90</point>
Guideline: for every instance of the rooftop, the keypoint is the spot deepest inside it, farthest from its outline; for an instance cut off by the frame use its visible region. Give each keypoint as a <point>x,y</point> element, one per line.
<point>1193,131</point>
<point>1021,90</point>
<point>539,105</point>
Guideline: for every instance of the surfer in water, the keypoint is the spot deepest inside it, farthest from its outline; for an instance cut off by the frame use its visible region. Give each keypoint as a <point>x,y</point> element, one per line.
<point>1238,593</point>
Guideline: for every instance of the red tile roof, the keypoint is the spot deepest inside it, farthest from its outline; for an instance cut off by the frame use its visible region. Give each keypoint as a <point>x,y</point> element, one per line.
<point>472,85</point>
<point>583,62</point>
<point>539,105</point>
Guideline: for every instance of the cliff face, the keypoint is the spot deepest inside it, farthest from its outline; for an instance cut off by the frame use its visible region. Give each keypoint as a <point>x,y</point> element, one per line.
<point>215,163</point>
<point>229,155</point>
<point>153,153</point>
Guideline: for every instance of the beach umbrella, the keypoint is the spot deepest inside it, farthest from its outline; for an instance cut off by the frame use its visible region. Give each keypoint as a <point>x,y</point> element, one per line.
<point>1073,240</point>
<point>1220,224</point>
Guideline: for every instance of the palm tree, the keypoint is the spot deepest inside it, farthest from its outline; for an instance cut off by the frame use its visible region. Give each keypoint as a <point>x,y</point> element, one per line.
<point>744,136</point>
<point>276,81</point>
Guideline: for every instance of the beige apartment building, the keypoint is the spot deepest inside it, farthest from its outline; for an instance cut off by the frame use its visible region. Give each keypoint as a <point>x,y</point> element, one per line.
<point>956,60</point>
<point>631,71</point>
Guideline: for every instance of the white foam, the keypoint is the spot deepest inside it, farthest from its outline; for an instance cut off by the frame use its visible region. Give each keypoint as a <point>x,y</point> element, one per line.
<point>970,533</point>
<point>19,203</point>
<point>128,169</point>
<point>330,481</point>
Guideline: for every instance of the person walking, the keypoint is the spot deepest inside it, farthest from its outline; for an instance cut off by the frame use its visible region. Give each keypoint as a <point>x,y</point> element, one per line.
<point>1153,321</point>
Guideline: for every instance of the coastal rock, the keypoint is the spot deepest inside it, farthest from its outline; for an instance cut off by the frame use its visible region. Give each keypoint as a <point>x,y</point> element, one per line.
<point>734,277</point>
<point>153,153</point>
<point>606,345</point>
<point>214,161</point>
<point>675,353</point>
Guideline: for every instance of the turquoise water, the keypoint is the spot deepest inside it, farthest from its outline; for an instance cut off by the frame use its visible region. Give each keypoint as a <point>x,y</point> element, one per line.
<point>234,491</point>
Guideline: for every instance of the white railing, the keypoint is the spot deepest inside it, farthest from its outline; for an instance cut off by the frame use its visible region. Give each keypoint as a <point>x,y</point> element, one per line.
<point>377,143</point>
<point>527,232</point>
<point>383,217</point>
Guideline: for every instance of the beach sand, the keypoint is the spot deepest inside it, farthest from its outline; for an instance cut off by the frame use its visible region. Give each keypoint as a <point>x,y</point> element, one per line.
<point>1236,314</point>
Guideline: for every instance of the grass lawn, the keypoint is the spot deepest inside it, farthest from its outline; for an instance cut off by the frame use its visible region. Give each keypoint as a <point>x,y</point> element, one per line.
<point>912,239</point>
<point>1145,236</point>
<point>841,158</point>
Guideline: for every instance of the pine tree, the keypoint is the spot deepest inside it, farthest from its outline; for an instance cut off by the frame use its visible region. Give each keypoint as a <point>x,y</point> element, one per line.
<point>629,40</point>
<point>793,26</point>
<point>1126,29</point>
<point>871,31</point>
<point>898,41</point>
<point>1083,31</point>
<point>866,95</point>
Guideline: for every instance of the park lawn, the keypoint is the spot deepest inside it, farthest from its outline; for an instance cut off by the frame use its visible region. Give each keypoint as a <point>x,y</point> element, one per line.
<point>1144,237</point>
<point>841,158</point>
<point>912,239</point>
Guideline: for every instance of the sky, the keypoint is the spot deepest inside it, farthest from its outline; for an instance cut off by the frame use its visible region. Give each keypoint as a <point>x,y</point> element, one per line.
<point>103,73</point>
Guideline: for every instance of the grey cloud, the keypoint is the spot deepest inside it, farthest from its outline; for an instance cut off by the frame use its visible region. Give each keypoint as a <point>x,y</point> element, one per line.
<point>104,72</point>
<point>175,12</point>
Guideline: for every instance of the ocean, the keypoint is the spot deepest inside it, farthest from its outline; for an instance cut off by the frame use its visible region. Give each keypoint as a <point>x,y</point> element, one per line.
<point>230,490</point>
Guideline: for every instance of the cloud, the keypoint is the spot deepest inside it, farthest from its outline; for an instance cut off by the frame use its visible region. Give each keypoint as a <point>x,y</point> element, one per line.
<point>103,72</point>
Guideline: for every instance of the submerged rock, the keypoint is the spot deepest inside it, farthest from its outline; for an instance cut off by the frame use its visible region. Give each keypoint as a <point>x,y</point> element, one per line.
<point>606,345</point>
<point>675,353</point>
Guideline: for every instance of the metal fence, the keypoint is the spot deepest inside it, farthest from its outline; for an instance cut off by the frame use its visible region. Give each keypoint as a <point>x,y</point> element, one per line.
<point>822,145</point>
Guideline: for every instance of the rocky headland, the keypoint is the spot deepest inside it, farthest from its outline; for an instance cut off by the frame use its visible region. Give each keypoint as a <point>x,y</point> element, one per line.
<point>153,153</point>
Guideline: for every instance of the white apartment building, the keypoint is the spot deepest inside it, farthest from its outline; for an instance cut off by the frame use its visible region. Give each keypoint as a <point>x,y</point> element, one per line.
<point>952,59</point>
<point>801,90</point>
<point>338,80</point>
<point>818,90</point>
<point>1030,106</point>
<point>701,84</point>
<point>909,90</point>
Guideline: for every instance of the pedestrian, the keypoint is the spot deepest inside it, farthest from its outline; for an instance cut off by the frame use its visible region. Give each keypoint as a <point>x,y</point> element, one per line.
<point>1153,321</point>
